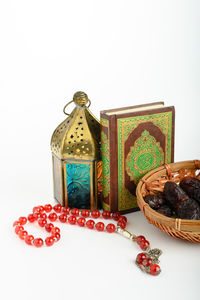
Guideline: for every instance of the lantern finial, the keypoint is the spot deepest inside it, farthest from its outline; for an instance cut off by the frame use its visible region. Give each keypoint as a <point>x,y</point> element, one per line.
<point>80,98</point>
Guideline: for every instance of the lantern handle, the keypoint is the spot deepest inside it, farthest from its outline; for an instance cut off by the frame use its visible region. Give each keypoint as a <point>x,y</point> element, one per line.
<point>66,106</point>
<point>71,102</point>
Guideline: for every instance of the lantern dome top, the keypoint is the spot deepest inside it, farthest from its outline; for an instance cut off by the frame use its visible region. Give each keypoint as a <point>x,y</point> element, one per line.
<point>80,98</point>
<point>78,136</point>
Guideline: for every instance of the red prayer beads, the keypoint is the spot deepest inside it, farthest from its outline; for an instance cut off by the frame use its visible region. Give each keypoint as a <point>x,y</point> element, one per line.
<point>43,215</point>
<point>144,245</point>
<point>75,212</point>
<point>72,220</point>
<point>31,218</point>
<point>38,242</point>
<point>37,215</point>
<point>110,228</point>
<point>42,222</point>
<point>145,262</point>
<point>52,217</point>
<point>81,222</point>
<point>106,214</point>
<point>154,269</point>
<point>23,220</point>
<point>57,208</point>
<point>48,227</point>
<point>116,216</point>
<point>63,218</point>
<point>75,216</point>
<point>49,241</point>
<point>55,229</point>
<point>16,223</point>
<point>22,234</point>
<point>85,213</point>
<point>100,226</point>
<point>140,257</point>
<point>123,218</point>
<point>29,239</point>
<point>142,242</point>
<point>18,228</point>
<point>48,207</point>
<point>66,210</point>
<point>66,215</point>
<point>122,224</point>
<point>95,214</point>
<point>90,224</point>
<point>56,236</point>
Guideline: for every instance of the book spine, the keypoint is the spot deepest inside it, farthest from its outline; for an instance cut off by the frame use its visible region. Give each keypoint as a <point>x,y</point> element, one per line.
<point>113,164</point>
<point>105,154</point>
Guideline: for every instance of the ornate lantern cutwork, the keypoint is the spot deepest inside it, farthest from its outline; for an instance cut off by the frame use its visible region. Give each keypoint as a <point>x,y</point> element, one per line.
<point>75,146</point>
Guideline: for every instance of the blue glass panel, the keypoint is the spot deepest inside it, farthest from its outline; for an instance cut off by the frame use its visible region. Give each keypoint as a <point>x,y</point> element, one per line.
<point>78,185</point>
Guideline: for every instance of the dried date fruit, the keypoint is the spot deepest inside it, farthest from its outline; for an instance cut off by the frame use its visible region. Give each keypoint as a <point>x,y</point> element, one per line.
<point>165,210</point>
<point>174,194</point>
<point>185,207</point>
<point>191,186</point>
<point>189,209</point>
<point>154,201</point>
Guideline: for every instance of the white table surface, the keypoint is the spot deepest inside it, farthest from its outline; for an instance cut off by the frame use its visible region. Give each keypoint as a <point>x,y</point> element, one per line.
<point>92,265</point>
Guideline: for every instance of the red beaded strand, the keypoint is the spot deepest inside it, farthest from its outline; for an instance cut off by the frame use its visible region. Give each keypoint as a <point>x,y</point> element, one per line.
<point>72,216</point>
<point>75,216</point>
<point>40,215</point>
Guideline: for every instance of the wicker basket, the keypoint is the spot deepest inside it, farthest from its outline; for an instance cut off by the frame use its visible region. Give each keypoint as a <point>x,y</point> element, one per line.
<point>153,182</point>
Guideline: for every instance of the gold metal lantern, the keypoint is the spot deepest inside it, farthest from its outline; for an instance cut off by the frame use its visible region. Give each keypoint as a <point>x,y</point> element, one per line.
<point>75,146</point>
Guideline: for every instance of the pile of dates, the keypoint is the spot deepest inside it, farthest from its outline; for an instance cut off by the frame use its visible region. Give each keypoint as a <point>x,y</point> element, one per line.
<point>180,201</point>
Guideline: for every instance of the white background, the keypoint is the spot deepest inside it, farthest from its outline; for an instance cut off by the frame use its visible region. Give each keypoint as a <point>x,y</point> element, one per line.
<point>120,53</point>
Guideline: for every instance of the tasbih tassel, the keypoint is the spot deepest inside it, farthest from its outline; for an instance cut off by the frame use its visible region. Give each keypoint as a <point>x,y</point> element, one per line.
<point>146,261</point>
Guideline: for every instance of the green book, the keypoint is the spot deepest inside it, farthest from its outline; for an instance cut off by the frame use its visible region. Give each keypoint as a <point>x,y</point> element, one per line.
<point>134,140</point>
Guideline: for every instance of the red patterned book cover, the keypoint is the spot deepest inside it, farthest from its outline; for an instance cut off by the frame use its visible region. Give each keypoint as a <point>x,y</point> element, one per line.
<point>134,140</point>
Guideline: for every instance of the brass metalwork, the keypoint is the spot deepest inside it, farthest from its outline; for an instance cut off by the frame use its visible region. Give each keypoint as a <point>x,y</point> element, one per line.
<point>77,139</point>
<point>80,98</point>
<point>154,254</point>
<point>78,136</point>
<point>66,106</point>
